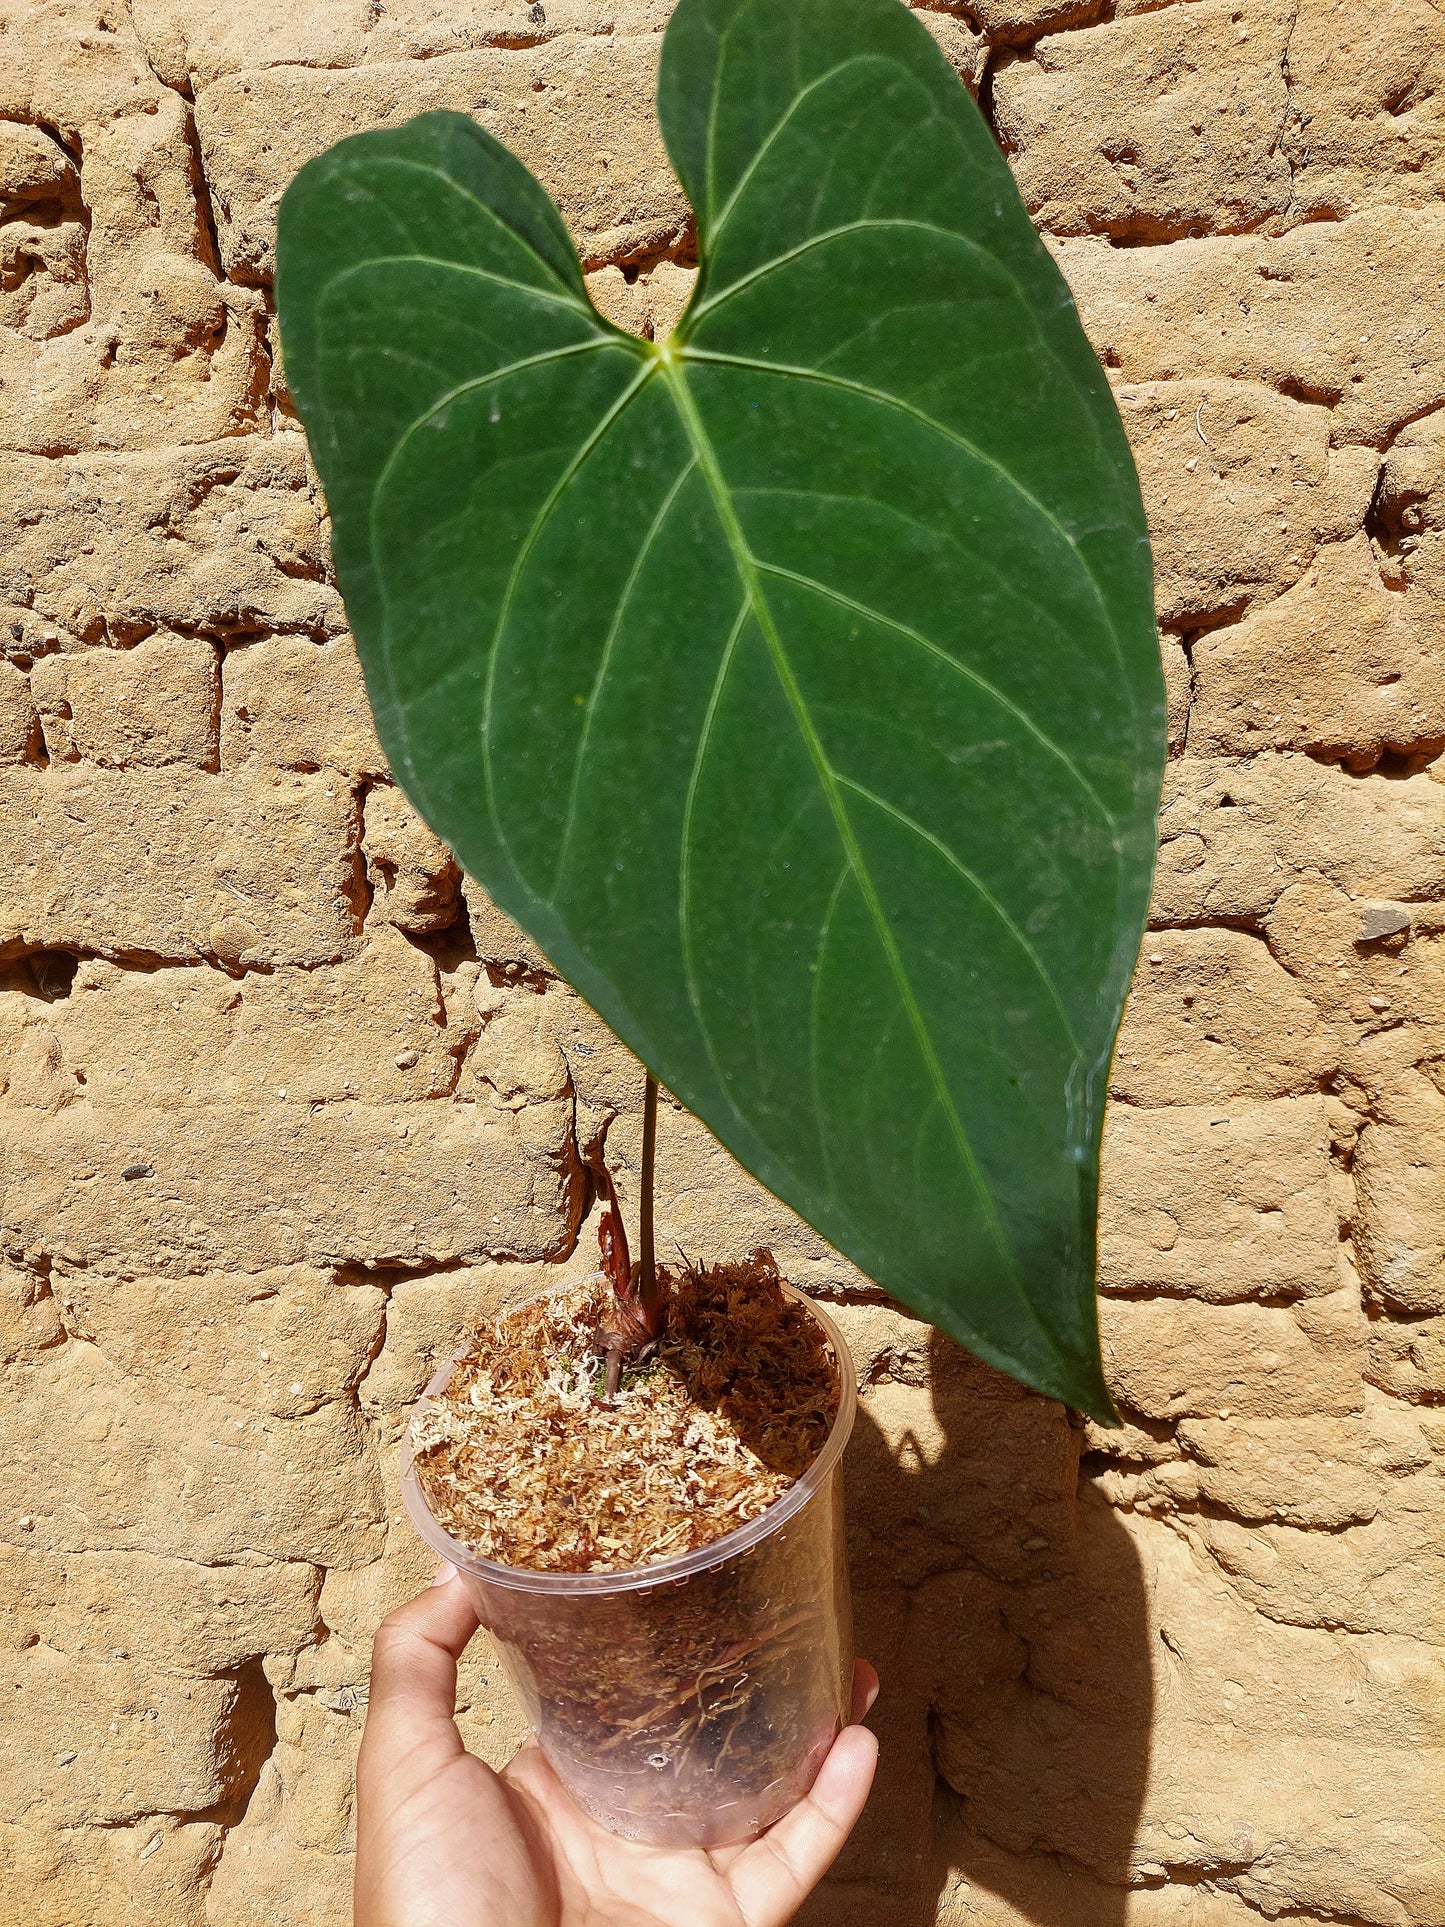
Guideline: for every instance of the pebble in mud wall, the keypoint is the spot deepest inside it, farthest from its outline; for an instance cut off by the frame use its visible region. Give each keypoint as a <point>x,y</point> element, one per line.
<point>285,1103</point>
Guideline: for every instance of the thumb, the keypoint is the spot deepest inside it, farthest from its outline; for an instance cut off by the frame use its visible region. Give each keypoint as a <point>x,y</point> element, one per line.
<point>414,1665</point>
<point>419,1795</point>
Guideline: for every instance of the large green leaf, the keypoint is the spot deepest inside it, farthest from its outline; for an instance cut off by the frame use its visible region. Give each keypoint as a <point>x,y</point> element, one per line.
<point>794,683</point>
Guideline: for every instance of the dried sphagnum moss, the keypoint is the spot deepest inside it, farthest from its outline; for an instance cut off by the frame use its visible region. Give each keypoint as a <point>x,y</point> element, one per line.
<point>522,1460</point>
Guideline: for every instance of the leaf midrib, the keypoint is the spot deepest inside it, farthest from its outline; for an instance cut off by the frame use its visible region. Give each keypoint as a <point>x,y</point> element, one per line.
<point>749,574</point>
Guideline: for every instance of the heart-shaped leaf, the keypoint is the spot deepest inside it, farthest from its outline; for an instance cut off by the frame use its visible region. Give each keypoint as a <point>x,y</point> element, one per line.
<point>794,682</point>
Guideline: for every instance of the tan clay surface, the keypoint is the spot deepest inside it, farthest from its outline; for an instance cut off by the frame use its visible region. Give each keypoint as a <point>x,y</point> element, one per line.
<point>284,1103</point>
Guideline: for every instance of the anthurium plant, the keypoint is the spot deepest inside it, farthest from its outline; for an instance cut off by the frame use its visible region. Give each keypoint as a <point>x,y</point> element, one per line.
<point>792,681</point>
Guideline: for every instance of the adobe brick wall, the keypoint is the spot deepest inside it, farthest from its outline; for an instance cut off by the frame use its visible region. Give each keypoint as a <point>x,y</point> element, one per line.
<point>285,1102</point>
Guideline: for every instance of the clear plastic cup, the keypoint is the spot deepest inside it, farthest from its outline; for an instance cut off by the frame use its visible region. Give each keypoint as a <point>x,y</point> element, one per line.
<point>688,1703</point>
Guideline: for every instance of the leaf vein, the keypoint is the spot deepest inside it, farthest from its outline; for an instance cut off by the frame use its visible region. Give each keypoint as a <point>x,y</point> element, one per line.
<point>945,656</point>
<point>814,1024</point>
<point>788,255</point>
<point>774,131</point>
<point>449,180</point>
<point>604,660</point>
<point>684,864</point>
<point>971,877</point>
<point>571,302</point>
<point>468,387</point>
<point>926,420</point>
<point>538,523</point>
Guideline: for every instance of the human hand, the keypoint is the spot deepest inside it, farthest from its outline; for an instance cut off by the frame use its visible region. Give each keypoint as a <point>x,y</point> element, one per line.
<point>443,1841</point>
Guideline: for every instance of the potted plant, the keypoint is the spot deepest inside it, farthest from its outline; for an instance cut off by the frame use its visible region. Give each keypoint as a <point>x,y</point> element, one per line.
<point>793,682</point>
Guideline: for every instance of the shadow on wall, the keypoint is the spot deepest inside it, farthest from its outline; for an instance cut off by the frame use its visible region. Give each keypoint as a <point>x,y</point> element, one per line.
<point>1004,1606</point>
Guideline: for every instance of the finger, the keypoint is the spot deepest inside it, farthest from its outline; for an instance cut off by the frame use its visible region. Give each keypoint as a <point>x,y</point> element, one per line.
<point>863,1693</point>
<point>414,1663</point>
<point>865,1690</point>
<point>772,1878</point>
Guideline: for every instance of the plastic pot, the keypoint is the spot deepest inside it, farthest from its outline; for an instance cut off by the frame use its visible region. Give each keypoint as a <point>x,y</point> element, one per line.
<point>688,1703</point>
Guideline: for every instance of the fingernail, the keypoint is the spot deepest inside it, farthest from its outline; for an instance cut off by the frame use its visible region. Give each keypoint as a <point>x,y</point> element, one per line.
<point>444,1572</point>
<point>872,1695</point>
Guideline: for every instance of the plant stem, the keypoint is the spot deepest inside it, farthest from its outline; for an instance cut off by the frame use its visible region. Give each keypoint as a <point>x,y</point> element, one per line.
<point>647,1270</point>
<point>631,1332</point>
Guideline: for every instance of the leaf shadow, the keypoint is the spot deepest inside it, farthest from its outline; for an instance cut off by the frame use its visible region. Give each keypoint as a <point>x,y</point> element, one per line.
<point>1005,1607</point>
